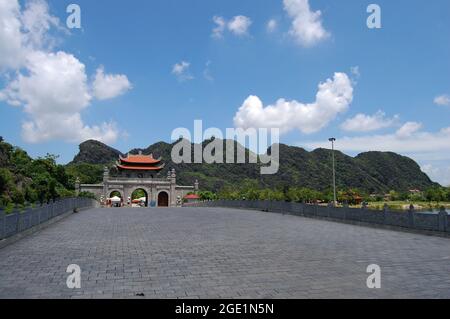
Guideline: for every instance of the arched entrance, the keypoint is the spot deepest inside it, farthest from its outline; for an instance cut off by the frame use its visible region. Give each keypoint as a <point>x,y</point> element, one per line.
<point>113,199</point>
<point>163,199</point>
<point>139,198</point>
<point>115,194</point>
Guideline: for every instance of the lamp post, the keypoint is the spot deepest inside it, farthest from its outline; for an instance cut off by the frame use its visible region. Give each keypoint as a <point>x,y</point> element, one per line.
<point>332,140</point>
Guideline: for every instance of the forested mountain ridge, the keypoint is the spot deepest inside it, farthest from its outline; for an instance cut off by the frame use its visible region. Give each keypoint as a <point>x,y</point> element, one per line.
<point>24,179</point>
<point>371,172</point>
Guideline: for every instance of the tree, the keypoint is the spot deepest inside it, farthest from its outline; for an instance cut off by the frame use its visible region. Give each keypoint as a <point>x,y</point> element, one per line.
<point>52,194</point>
<point>207,195</point>
<point>435,194</point>
<point>6,179</point>
<point>17,196</point>
<point>137,194</point>
<point>394,195</point>
<point>41,187</point>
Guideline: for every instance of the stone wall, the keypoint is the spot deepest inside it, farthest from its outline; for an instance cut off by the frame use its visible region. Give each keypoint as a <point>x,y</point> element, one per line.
<point>97,190</point>
<point>19,221</point>
<point>153,187</point>
<point>413,220</point>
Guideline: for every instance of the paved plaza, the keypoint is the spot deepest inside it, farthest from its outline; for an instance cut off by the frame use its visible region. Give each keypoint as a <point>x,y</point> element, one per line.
<point>220,253</point>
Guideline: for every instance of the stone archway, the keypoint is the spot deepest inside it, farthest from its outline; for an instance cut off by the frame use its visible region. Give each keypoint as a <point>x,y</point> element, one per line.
<point>163,199</point>
<point>115,192</point>
<point>136,194</point>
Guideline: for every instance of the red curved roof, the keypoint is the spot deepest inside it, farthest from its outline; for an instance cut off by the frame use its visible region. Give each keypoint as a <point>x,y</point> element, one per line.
<point>192,196</point>
<point>141,168</point>
<point>140,159</point>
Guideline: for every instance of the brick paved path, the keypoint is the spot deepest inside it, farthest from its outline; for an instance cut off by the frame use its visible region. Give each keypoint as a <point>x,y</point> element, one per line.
<point>220,253</point>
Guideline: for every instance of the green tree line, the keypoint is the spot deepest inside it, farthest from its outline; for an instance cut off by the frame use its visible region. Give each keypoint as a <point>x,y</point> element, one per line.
<point>250,190</point>
<point>26,180</point>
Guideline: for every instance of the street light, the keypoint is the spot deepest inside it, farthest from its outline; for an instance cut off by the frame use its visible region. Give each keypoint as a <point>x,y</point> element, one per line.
<point>332,140</point>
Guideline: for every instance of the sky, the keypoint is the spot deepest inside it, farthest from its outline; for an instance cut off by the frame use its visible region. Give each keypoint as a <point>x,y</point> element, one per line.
<point>136,70</point>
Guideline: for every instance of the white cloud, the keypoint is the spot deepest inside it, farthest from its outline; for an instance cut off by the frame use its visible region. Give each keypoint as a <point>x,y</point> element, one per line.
<point>51,86</point>
<point>69,128</point>
<point>11,37</point>
<point>37,21</point>
<point>238,25</point>
<point>53,94</point>
<point>181,71</point>
<point>333,97</point>
<point>46,88</point>
<point>408,129</point>
<point>22,32</point>
<point>272,25</point>
<point>306,26</point>
<point>442,100</point>
<point>368,123</point>
<point>438,172</point>
<point>408,140</point>
<point>108,86</point>
<point>430,149</point>
<point>220,27</point>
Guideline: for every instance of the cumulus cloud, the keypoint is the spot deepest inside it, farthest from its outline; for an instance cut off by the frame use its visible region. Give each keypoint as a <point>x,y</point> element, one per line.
<point>408,129</point>
<point>238,25</point>
<point>181,71</point>
<point>51,87</point>
<point>24,31</point>
<point>333,97</point>
<point>37,21</point>
<point>427,148</point>
<point>46,89</point>
<point>367,123</point>
<point>438,172</point>
<point>108,86</point>
<point>306,26</point>
<point>442,100</point>
<point>272,25</point>
<point>415,141</point>
<point>220,27</point>
<point>68,128</point>
<point>54,99</point>
<point>409,139</point>
<point>11,37</point>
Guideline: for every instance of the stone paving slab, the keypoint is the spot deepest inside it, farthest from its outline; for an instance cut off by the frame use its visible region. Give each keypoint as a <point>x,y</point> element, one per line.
<point>220,253</point>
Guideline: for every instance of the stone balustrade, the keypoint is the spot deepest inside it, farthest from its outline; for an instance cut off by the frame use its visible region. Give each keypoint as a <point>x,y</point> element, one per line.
<point>21,220</point>
<point>413,220</point>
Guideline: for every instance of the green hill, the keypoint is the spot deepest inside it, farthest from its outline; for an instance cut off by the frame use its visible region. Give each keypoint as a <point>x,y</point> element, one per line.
<point>371,172</point>
<point>23,179</point>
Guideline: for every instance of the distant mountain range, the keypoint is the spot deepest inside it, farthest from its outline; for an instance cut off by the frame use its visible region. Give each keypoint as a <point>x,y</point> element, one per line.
<point>372,172</point>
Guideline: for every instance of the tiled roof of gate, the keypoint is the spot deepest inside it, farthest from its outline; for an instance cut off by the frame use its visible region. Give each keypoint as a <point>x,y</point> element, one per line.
<point>141,168</point>
<point>139,159</point>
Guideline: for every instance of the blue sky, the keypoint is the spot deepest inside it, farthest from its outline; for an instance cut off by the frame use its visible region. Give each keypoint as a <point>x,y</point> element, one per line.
<point>399,75</point>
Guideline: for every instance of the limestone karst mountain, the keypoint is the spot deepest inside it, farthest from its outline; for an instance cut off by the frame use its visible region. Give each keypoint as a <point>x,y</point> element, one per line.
<point>372,172</point>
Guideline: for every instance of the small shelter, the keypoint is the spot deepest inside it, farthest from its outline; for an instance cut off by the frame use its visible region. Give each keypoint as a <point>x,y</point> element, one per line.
<point>116,201</point>
<point>191,198</point>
